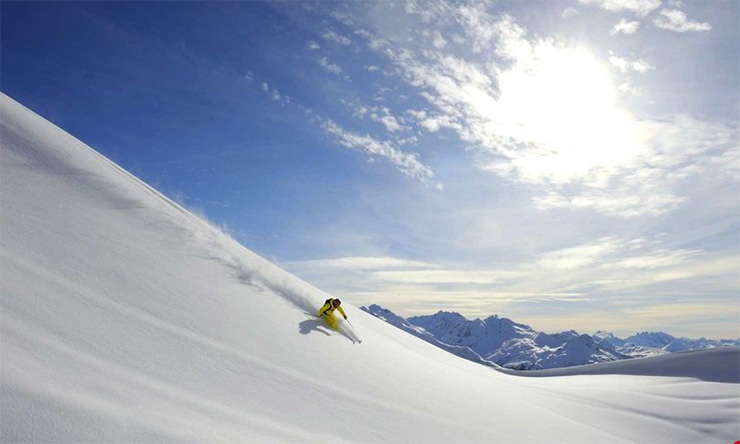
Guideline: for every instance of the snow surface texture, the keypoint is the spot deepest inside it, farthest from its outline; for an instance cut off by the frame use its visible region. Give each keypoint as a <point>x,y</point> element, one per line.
<point>502,342</point>
<point>127,319</point>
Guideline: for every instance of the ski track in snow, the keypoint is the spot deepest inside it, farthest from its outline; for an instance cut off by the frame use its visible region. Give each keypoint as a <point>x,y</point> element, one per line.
<point>125,318</point>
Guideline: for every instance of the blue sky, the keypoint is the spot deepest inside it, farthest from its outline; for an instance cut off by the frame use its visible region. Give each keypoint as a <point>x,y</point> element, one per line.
<point>568,164</point>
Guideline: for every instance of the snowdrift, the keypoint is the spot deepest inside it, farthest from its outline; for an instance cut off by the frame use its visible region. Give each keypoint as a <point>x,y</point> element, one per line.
<point>127,319</point>
<point>716,364</point>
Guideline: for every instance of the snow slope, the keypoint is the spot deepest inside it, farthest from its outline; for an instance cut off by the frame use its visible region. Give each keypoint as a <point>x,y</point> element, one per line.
<point>716,364</point>
<point>127,319</point>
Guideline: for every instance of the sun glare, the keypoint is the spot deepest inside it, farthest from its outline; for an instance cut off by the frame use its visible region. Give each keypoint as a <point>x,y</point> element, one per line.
<point>561,106</point>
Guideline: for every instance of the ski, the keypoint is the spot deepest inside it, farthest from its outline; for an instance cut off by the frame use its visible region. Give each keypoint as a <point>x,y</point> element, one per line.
<point>314,317</point>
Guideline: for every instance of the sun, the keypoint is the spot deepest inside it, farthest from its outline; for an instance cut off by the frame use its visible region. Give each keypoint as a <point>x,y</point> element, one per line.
<point>559,108</point>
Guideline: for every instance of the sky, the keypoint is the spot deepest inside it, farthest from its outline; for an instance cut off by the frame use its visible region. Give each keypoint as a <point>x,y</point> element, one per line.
<point>566,164</point>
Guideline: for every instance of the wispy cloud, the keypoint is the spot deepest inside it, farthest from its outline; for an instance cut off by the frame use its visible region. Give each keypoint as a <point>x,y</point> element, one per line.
<point>625,27</point>
<point>612,265</point>
<point>433,122</point>
<point>275,94</point>
<point>580,256</point>
<point>336,38</point>
<point>377,113</point>
<point>658,259</point>
<point>620,63</point>
<point>569,12</point>
<point>342,17</point>
<point>639,7</point>
<point>685,312</point>
<point>677,21</point>
<point>642,66</point>
<point>625,201</point>
<point>359,263</point>
<point>384,270</point>
<point>612,252</point>
<point>438,41</point>
<point>406,162</point>
<point>692,318</point>
<point>625,65</point>
<point>383,116</point>
<point>429,277</point>
<point>390,122</point>
<point>329,66</point>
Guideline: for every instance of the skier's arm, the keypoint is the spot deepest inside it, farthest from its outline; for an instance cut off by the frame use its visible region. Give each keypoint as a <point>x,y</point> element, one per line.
<point>341,310</point>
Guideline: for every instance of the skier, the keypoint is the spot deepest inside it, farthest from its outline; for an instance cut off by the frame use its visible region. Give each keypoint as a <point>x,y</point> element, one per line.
<point>327,312</point>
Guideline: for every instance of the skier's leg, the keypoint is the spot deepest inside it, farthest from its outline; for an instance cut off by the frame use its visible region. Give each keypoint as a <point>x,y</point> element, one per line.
<point>331,320</point>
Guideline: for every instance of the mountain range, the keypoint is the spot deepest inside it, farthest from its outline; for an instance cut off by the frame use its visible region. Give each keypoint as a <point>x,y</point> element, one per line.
<point>498,341</point>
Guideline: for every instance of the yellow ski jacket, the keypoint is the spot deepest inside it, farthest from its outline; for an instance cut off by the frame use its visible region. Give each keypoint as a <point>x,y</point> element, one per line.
<point>328,309</point>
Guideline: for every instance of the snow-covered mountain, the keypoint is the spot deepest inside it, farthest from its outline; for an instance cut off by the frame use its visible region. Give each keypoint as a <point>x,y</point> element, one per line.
<point>518,346</point>
<point>480,335</point>
<point>513,345</point>
<point>399,322</point>
<point>657,343</point>
<point>565,349</point>
<point>125,318</point>
<point>605,337</point>
<point>650,339</point>
<point>686,344</point>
